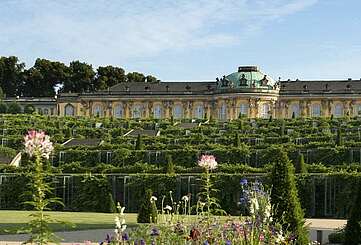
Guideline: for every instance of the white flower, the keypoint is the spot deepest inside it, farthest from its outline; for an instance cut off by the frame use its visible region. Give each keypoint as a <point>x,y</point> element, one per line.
<point>202,204</point>
<point>169,208</point>
<point>267,212</point>
<point>185,198</point>
<point>153,199</point>
<point>208,162</point>
<point>38,142</point>
<point>279,238</point>
<point>122,211</point>
<point>117,222</point>
<point>254,206</point>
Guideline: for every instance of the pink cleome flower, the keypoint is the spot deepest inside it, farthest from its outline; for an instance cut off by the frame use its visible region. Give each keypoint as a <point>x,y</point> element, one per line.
<point>38,142</point>
<point>208,162</point>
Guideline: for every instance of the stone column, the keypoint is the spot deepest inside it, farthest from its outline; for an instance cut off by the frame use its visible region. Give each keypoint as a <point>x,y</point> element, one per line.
<point>213,112</point>
<point>346,108</point>
<point>128,105</point>
<point>352,108</point>
<point>166,105</point>
<point>324,108</point>
<point>110,108</point>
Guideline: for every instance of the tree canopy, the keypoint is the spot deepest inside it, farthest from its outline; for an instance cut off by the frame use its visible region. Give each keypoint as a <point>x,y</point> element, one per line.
<point>45,76</point>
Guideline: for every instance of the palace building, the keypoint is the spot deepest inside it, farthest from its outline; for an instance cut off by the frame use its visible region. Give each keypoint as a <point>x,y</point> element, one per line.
<point>247,92</point>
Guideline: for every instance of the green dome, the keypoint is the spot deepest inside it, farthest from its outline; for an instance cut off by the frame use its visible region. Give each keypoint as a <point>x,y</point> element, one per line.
<point>246,76</point>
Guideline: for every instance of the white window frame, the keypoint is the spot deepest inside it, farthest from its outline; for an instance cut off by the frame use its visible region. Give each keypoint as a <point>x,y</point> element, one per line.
<point>243,109</point>
<point>338,110</point>
<point>137,111</point>
<point>316,110</point>
<point>199,112</point>
<point>118,111</point>
<point>98,110</point>
<point>157,112</point>
<point>177,111</point>
<point>295,109</point>
<point>265,110</point>
<point>222,113</point>
<point>69,110</point>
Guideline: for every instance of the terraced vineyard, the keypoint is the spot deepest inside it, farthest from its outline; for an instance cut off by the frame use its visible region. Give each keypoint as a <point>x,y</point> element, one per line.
<point>130,154</point>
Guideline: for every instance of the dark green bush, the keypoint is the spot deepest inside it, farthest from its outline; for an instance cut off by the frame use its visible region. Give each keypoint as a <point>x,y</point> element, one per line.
<point>14,108</point>
<point>147,211</point>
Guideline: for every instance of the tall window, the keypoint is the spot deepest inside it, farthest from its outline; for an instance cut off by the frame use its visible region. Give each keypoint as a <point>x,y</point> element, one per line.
<point>118,111</point>
<point>265,110</point>
<point>157,112</point>
<point>295,110</point>
<point>137,111</point>
<point>316,110</point>
<point>222,114</point>
<point>199,112</point>
<point>177,111</point>
<point>69,110</point>
<point>243,109</point>
<point>358,109</point>
<point>338,110</point>
<point>98,111</point>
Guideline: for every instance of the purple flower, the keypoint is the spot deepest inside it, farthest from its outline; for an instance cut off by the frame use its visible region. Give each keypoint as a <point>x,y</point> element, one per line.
<point>244,181</point>
<point>155,232</point>
<point>125,236</point>
<point>206,242</point>
<point>141,242</point>
<point>228,242</point>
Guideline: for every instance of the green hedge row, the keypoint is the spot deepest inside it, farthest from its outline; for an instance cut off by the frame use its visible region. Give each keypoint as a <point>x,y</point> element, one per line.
<point>326,195</point>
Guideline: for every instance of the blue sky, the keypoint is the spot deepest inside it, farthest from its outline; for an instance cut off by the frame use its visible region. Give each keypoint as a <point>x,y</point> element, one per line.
<point>190,40</point>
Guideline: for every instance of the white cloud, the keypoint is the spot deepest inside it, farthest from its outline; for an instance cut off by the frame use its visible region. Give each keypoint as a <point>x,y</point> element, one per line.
<point>103,31</point>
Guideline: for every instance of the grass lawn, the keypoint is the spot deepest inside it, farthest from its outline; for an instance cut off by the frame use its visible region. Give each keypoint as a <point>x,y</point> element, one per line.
<point>12,220</point>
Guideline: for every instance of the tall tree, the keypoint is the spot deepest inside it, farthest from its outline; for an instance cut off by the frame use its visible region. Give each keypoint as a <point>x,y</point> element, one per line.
<point>353,227</point>
<point>151,79</point>
<point>284,196</point>
<point>135,77</point>
<point>108,76</point>
<point>81,78</point>
<point>10,75</point>
<point>41,79</point>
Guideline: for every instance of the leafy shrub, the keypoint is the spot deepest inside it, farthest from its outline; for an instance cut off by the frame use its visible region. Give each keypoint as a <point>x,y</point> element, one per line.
<point>29,109</point>
<point>14,108</point>
<point>284,196</point>
<point>147,211</point>
<point>3,108</point>
<point>94,195</point>
<point>353,226</point>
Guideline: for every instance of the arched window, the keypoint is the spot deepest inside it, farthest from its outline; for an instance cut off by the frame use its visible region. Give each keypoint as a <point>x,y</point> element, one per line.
<point>199,112</point>
<point>243,109</point>
<point>222,113</point>
<point>177,111</point>
<point>295,110</point>
<point>265,110</point>
<point>157,112</point>
<point>118,111</point>
<point>316,110</point>
<point>69,110</point>
<point>338,110</point>
<point>137,111</point>
<point>98,111</point>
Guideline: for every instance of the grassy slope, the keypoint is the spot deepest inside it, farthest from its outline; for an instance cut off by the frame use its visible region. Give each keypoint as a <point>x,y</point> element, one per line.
<point>13,220</point>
